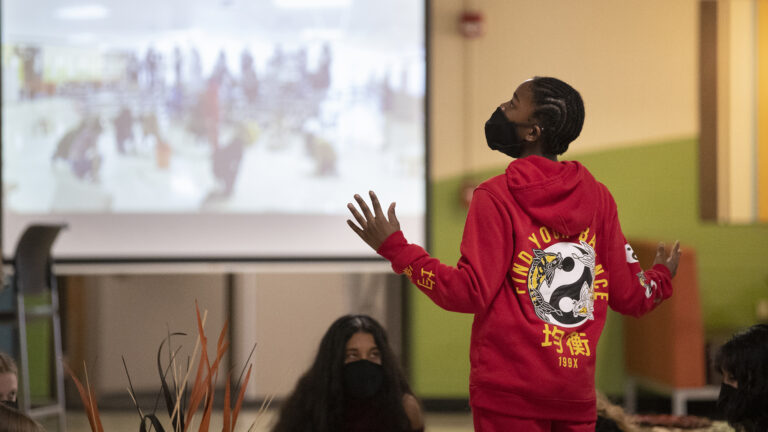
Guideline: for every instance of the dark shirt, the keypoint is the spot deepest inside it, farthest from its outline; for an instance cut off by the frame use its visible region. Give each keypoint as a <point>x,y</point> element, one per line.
<point>365,416</point>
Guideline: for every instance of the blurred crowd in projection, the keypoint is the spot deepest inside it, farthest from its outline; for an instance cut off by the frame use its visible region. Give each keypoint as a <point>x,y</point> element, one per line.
<point>115,126</point>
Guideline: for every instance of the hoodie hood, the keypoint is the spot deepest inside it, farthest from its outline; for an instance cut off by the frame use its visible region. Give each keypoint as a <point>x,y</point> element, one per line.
<point>560,195</point>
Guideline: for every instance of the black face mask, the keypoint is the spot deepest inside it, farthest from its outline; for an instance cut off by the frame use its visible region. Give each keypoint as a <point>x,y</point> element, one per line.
<point>736,404</point>
<point>501,135</point>
<point>362,379</point>
<point>11,404</point>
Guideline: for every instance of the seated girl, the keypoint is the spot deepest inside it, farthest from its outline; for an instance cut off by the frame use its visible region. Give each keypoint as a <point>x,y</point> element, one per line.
<point>743,361</point>
<point>355,384</point>
<point>9,384</point>
<point>12,420</point>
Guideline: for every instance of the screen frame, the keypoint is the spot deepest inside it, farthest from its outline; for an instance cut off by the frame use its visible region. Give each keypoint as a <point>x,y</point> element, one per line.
<point>8,255</point>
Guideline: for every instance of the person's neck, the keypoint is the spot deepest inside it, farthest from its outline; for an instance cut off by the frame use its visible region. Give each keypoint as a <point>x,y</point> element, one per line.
<point>535,150</point>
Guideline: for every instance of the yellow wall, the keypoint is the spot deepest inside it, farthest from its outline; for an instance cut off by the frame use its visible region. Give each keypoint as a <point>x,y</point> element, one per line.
<point>762,110</point>
<point>635,63</point>
<point>736,88</point>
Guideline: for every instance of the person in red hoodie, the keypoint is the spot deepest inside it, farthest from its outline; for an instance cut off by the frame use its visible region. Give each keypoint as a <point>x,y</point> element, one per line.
<point>542,258</point>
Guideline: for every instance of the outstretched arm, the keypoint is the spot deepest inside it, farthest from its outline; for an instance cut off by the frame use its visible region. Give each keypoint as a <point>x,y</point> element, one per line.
<point>486,251</point>
<point>635,291</point>
<point>374,227</point>
<point>671,260</point>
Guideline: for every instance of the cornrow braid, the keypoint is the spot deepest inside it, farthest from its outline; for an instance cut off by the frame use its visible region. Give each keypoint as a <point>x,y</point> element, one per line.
<point>560,112</point>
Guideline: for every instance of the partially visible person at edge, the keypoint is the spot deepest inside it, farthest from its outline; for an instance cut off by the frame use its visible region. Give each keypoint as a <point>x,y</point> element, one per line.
<point>542,258</point>
<point>12,420</point>
<point>743,361</point>
<point>9,381</point>
<point>355,384</point>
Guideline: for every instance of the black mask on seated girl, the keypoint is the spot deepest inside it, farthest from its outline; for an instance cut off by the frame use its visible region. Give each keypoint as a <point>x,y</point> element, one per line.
<point>362,379</point>
<point>501,135</point>
<point>737,405</point>
<point>10,404</point>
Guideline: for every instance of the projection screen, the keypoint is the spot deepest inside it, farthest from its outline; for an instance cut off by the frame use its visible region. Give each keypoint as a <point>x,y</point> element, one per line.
<point>210,129</point>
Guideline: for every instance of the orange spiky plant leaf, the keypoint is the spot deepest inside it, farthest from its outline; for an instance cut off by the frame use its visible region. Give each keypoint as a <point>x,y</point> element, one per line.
<point>206,375</point>
<point>240,397</point>
<point>89,400</point>
<point>227,410</point>
<point>198,389</point>
<point>221,348</point>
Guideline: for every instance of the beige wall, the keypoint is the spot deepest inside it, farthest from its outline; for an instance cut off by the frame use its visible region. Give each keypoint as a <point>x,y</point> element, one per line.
<point>736,120</point>
<point>285,314</point>
<point>130,315</point>
<point>288,314</point>
<point>635,63</point>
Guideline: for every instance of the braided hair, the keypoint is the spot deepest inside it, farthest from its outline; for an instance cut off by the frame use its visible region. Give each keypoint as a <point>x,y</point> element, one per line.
<point>559,111</point>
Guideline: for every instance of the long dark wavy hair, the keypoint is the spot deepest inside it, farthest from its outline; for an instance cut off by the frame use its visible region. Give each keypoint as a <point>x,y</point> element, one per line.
<point>745,358</point>
<point>318,404</point>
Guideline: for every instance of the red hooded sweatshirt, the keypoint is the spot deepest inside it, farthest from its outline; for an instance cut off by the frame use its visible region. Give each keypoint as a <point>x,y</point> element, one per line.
<point>542,258</point>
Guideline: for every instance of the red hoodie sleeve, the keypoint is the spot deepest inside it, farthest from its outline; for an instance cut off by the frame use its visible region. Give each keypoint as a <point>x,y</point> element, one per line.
<point>633,291</point>
<point>486,253</point>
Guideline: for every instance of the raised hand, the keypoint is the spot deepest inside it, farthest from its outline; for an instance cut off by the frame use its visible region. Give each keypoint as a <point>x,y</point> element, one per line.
<point>671,260</point>
<point>374,227</point>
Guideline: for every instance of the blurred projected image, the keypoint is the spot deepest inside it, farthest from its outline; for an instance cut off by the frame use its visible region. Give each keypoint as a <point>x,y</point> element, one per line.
<point>242,106</point>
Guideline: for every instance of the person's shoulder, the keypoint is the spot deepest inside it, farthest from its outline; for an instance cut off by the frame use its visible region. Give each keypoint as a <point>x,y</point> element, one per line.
<point>413,411</point>
<point>495,184</point>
